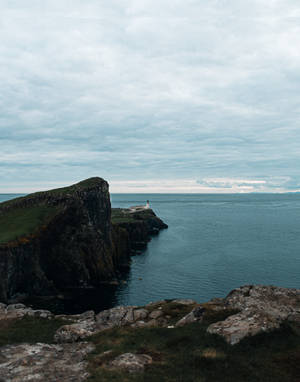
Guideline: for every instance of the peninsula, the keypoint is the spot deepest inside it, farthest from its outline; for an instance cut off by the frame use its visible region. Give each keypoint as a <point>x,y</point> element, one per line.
<point>68,238</point>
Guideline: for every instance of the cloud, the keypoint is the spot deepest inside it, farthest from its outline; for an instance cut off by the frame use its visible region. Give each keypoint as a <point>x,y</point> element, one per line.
<point>148,90</point>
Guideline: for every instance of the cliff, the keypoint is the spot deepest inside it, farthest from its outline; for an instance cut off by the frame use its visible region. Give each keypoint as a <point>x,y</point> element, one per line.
<point>64,238</point>
<point>139,226</point>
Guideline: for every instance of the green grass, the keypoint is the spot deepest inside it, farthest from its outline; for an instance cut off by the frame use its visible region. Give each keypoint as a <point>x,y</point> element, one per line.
<point>85,184</point>
<point>21,222</point>
<point>21,217</point>
<point>190,354</point>
<point>29,330</point>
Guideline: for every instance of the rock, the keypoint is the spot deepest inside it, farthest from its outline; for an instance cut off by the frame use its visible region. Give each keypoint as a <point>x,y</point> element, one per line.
<point>162,321</point>
<point>152,323</point>
<point>241,325</point>
<point>294,317</point>
<point>156,303</point>
<point>88,315</point>
<point>88,323</point>
<point>42,313</point>
<point>185,301</point>
<point>75,332</point>
<point>262,308</point>
<point>44,363</point>
<point>273,300</point>
<point>16,311</point>
<point>195,315</point>
<point>15,306</point>
<point>155,314</point>
<point>119,316</point>
<point>140,314</point>
<point>133,363</point>
<point>84,326</point>
<point>139,324</point>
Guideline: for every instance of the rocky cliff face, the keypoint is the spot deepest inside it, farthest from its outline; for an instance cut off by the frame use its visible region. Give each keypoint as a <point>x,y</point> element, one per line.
<point>64,238</point>
<point>139,226</point>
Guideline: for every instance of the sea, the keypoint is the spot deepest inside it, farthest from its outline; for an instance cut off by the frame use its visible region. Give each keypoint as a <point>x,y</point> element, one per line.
<point>214,243</point>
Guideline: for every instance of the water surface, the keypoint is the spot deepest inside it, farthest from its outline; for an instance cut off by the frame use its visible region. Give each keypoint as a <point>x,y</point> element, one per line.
<point>214,243</point>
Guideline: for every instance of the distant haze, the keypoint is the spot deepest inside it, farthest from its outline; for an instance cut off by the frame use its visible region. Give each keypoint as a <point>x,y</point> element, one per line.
<point>153,96</point>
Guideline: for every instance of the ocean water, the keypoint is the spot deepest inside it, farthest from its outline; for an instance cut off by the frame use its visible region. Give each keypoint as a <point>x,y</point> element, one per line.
<point>214,243</point>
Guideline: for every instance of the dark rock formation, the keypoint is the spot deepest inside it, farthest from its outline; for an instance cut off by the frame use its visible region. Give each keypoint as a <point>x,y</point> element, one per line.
<point>64,238</point>
<point>138,226</point>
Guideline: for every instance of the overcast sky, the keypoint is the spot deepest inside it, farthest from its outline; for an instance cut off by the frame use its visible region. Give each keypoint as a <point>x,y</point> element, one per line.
<point>151,95</point>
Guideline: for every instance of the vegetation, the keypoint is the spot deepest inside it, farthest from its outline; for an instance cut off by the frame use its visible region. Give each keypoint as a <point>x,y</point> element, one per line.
<point>190,354</point>
<point>22,222</point>
<point>28,329</point>
<point>85,184</point>
<point>121,215</point>
<point>186,354</point>
<point>20,217</point>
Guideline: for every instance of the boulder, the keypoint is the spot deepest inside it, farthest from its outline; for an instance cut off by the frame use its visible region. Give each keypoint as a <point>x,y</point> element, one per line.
<point>195,315</point>
<point>75,332</point>
<point>241,325</point>
<point>140,314</point>
<point>155,314</point>
<point>119,316</point>
<point>133,363</point>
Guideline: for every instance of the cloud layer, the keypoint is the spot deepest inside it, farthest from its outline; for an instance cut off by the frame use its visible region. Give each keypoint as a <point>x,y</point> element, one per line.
<point>190,96</point>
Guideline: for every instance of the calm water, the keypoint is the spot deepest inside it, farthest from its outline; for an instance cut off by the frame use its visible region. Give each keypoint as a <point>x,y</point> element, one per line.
<point>214,243</point>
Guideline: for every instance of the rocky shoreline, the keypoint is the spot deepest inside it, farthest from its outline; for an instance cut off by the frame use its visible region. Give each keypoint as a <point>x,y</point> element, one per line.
<point>247,311</point>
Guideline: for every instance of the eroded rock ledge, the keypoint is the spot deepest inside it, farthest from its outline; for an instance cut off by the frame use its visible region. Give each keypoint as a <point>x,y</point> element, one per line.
<point>246,311</point>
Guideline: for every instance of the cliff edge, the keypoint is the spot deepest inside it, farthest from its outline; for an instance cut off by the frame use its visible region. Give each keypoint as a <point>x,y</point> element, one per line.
<point>64,238</point>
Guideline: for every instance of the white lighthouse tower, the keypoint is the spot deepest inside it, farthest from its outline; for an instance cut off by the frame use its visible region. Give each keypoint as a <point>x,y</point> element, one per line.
<point>147,205</point>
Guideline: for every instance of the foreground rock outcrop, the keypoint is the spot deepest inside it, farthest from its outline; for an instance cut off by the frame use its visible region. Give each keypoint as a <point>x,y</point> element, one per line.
<point>65,238</point>
<point>43,362</point>
<point>262,309</point>
<point>245,312</point>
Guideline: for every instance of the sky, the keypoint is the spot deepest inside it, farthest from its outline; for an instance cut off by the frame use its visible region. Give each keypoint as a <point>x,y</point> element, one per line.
<point>151,95</point>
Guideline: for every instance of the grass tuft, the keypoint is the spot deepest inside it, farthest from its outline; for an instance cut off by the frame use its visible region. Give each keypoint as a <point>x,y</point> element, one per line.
<point>28,329</point>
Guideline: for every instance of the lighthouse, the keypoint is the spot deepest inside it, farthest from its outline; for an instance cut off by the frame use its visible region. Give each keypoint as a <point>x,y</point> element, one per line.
<point>147,205</point>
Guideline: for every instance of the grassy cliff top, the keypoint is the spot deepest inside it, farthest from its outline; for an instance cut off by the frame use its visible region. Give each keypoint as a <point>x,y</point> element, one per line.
<point>21,222</point>
<point>81,186</point>
<point>21,217</point>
